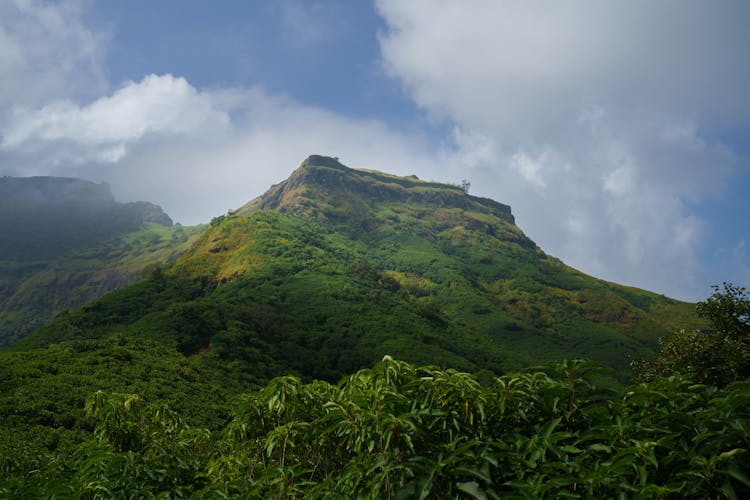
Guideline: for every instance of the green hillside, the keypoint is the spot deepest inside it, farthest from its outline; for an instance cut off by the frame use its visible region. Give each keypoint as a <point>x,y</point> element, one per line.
<point>67,241</point>
<point>335,267</point>
<point>320,277</point>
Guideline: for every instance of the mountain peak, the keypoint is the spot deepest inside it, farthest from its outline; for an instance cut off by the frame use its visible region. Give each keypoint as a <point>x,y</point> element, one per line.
<point>323,161</point>
<point>325,188</point>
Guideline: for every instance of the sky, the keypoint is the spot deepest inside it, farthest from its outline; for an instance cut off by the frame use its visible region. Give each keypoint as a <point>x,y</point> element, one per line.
<point>619,132</point>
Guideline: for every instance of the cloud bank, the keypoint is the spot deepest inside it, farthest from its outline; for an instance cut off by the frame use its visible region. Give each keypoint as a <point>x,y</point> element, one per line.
<point>597,121</point>
<point>102,130</point>
<point>47,52</point>
<point>197,152</point>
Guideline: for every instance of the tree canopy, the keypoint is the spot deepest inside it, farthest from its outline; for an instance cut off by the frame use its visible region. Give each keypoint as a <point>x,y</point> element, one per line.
<point>717,355</point>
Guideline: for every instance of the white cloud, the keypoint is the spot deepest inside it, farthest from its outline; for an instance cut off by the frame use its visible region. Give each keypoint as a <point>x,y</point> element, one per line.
<point>599,115</point>
<point>619,181</point>
<point>528,67</point>
<point>46,52</point>
<point>103,129</point>
<point>198,153</point>
<point>530,170</point>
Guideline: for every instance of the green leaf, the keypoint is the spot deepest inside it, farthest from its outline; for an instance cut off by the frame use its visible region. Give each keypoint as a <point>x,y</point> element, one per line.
<point>472,488</point>
<point>570,449</point>
<point>727,489</point>
<point>546,432</point>
<point>738,474</point>
<point>480,474</point>
<point>600,447</point>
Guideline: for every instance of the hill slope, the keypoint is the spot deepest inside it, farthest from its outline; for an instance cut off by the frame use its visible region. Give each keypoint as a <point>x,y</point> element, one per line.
<point>67,241</point>
<point>335,267</point>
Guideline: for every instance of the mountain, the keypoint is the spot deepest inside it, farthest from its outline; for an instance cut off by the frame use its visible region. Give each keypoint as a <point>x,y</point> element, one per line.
<point>322,275</point>
<point>67,241</point>
<point>335,267</point>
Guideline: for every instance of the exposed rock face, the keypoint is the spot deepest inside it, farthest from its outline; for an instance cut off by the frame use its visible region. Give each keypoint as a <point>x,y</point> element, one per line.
<point>337,181</point>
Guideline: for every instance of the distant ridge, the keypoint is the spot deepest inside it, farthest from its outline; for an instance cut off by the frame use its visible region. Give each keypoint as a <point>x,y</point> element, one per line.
<point>65,241</point>
<point>44,189</point>
<point>42,217</point>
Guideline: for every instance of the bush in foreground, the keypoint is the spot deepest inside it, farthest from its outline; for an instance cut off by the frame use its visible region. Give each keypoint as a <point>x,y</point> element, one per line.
<point>400,431</point>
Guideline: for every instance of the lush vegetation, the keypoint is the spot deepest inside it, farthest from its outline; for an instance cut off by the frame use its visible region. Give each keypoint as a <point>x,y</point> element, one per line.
<point>398,431</point>
<point>228,372</point>
<point>334,268</point>
<point>717,355</point>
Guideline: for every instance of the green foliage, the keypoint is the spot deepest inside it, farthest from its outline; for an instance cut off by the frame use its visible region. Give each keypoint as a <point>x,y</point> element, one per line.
<point>728,311</point>
<point>716,356</point>
<point>400,431</point>
<point>705,357</point>
<point>49,386</point>
<point>319,278</point>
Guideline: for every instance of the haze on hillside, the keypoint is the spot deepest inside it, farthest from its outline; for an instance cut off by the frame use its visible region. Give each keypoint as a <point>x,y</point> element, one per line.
<point>66,241</point>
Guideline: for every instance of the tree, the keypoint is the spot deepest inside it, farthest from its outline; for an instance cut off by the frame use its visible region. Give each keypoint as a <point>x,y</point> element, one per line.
<point>716,356</point>
<point>728,310</point>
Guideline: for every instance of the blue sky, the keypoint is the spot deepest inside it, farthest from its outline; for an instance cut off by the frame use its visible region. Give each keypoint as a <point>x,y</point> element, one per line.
<point>619,132</point>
